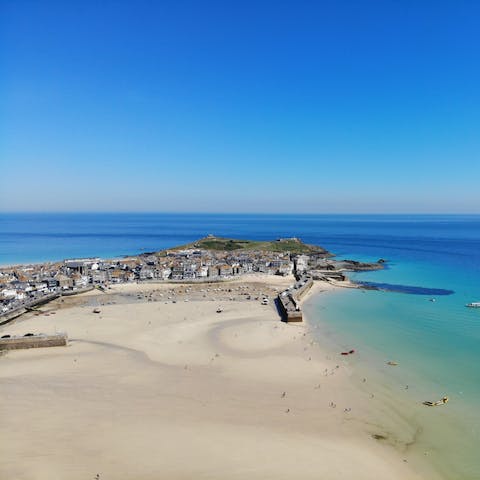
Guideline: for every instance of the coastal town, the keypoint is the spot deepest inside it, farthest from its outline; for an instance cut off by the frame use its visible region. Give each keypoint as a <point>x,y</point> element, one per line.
<point>211,259</point>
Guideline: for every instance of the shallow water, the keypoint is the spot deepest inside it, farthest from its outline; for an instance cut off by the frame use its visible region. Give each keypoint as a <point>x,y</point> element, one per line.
<point>436,345</point>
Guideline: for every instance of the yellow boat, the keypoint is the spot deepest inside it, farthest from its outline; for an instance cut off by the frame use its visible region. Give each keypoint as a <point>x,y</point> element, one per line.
<point>443,401</point>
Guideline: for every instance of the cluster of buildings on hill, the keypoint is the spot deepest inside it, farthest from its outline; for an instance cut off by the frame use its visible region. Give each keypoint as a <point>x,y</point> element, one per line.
<point>26,285</point>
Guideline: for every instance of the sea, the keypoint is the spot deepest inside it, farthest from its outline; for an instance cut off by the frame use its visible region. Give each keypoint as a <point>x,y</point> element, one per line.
<point>418,318</point>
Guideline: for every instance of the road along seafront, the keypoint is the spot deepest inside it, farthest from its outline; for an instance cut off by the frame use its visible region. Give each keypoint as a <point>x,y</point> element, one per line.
<point>177,381</point>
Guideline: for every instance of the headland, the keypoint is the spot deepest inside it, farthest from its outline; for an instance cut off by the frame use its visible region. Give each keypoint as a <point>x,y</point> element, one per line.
<point>210,259</point>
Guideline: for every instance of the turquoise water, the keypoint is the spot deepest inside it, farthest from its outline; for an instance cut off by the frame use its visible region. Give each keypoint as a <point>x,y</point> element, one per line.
<point>440,339</point>
<point>436,347</point>
<point>437,344</point>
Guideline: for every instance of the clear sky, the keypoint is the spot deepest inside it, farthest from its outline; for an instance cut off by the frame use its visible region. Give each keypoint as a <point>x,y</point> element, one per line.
<point>240,106</point>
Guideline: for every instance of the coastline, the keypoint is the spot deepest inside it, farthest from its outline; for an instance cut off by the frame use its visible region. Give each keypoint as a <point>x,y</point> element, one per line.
<point>383,404</point>
<point>224,390</point>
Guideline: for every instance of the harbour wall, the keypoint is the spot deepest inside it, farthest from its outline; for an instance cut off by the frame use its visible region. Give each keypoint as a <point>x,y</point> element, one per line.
<point>289,300</point>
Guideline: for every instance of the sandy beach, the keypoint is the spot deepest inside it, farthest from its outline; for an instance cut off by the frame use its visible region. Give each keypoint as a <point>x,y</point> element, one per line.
<point>160,385</point>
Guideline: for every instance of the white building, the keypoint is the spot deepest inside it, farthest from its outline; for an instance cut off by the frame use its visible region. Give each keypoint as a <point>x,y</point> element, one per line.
<point>202,271</point>
<point>301,263</point>
<point>8,293</point>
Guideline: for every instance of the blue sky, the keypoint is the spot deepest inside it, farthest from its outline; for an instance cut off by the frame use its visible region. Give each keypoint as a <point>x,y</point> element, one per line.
<point>301,106</point>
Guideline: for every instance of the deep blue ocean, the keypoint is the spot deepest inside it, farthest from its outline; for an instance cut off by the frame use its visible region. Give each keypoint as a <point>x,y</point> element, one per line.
<point>437,343</point>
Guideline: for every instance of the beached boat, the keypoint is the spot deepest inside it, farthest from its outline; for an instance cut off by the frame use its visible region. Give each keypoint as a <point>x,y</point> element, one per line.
<point>473,305</point>
<point>443,401</point>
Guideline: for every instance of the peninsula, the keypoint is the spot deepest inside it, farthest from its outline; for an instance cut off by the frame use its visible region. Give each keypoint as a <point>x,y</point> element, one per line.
<point>210,259</point>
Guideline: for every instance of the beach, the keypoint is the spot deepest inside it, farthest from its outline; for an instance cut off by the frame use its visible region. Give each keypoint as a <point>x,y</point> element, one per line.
<point>180,381</point>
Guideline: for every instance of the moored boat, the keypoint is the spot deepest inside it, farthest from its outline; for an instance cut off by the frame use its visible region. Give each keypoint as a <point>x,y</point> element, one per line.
<point>473,305</point>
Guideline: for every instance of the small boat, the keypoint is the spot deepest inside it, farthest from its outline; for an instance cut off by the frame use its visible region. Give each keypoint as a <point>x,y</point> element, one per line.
<point>347,353</point>
<point>473,305</point>
<point>393,364</point>
<point>443,401</point>
<point>96,310</point>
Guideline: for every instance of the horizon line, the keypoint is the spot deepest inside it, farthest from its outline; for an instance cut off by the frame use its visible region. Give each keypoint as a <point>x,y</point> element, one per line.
<point>166,212</point>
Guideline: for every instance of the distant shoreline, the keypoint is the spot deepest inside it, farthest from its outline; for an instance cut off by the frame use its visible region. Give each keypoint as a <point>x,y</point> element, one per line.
<point>38,232</point>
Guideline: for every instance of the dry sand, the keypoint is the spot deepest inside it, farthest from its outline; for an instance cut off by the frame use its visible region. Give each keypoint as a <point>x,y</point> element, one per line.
<point>155,390</point>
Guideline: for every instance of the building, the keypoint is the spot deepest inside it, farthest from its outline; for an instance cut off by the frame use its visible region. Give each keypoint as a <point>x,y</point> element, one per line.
<point>301,263</point>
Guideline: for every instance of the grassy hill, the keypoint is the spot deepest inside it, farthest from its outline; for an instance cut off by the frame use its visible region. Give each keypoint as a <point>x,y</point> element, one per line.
<point>292,245</point>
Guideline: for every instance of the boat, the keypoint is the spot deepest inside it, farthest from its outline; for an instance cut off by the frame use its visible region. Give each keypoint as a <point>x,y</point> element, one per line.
<point>443,401</point>
<point>473,305</point>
